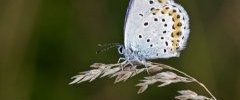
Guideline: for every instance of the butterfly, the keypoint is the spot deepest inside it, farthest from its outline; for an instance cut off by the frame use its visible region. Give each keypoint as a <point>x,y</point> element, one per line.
<point>154,29</point>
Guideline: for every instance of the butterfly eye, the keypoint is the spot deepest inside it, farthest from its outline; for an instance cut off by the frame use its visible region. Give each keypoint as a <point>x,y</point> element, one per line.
<point>120,49</point>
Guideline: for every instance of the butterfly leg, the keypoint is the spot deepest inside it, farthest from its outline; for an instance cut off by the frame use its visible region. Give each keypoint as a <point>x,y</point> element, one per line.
<point>129,63</point>
<point>121,59</point>
<point>123,62</point>
<point>146,69</point>
<point>143,62</point>
<point>145,65</point>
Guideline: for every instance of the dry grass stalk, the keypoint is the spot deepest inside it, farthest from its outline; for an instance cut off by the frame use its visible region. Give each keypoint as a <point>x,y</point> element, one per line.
<point>161,73</point>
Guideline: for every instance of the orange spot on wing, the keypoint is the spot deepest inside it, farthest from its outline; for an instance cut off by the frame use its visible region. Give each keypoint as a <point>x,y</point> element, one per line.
<point>176,33</point>
<point>177,28</point>
<point>155,11</point>
<point>162,1</point>
<point>165,10</point>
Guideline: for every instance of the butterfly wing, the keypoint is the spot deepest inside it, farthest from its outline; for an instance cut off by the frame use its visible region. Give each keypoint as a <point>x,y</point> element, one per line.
<point>155,29</point>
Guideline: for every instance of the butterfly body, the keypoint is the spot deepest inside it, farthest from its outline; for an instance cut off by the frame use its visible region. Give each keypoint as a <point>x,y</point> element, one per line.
<point>154,29</point>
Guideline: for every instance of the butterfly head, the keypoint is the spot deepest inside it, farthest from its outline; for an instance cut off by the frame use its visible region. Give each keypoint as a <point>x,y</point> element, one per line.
<point>130,55</point>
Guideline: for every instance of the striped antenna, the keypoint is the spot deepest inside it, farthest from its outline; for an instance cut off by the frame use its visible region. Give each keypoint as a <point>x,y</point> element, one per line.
<point>106,47</point>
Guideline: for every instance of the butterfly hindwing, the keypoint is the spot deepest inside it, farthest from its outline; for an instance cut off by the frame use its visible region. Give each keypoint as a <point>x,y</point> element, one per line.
<point>155,29</point>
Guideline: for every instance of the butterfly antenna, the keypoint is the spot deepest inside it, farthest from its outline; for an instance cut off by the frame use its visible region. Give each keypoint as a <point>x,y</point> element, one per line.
<point>106,47</point>
<point>110,44</point>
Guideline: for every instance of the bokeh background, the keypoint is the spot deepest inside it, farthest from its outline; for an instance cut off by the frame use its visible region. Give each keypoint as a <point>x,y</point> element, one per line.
<point>43,43</point>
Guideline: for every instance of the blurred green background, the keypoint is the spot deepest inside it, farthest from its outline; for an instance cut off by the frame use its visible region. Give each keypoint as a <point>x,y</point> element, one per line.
<point>43,43</point>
